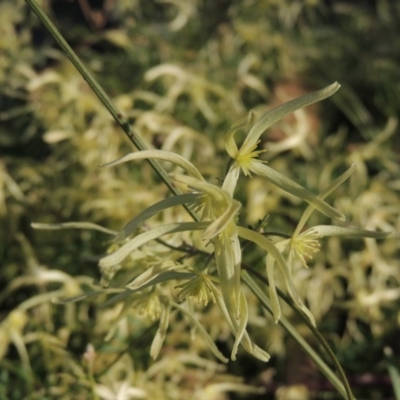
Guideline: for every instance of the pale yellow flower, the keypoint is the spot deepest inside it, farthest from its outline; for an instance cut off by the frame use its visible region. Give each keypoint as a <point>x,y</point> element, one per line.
<point>217,213</point>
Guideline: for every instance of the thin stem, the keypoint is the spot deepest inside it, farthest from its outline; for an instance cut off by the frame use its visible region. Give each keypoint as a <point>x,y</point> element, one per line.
<point>276,233</point>
<point>191,251</point>
<point>393,371</point>
<point>104,98</point>
<point>342,387</point>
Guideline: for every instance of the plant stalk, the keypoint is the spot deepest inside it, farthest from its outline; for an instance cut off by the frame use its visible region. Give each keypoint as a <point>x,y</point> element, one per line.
<point>343,386</point>
<point>104,98</point>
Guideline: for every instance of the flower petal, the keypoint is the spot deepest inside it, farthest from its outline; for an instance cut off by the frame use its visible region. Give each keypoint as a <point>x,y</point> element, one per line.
<point>354,233</point>
<point>150,273</point>
<point>281,111</point>
<point>273,295</point>
<point>162,277</point>
<point>334,185</point>
<point>225,261</point>
<point>160,155</point>
<point>264,243</point>
<point>233,325</point>
<point>241,330</point>
<point>186,198</point>
<point>161,332</point>
<point>294,188</point>
<point>123,252</point>
<point>230,144</point>
<point>219,197</point>
<point>202,331</point>
<point>231,179</point>
<point>73,225</point>
<point>217,226</point>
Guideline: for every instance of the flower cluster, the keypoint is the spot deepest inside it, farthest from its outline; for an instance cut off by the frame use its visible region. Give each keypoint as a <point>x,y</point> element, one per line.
<point>217,220</point>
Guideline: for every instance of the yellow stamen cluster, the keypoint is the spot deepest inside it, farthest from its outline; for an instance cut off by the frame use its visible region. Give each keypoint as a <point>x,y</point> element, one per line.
<point>199,290</point>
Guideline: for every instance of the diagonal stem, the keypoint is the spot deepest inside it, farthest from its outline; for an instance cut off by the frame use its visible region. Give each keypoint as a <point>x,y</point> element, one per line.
<point>342,387</point>
<point>104,98</point>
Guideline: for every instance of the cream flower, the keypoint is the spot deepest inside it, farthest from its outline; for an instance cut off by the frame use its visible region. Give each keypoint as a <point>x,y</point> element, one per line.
<point>218,211</point>
<point>246,159</point>
<point>216,218</point>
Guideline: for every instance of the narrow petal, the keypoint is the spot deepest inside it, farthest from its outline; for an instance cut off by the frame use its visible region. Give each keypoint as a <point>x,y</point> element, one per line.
<point>237,263</point>
<point>334,185</point>
<point>73,225</point>
<point>160,155</point>
<point>230,144</point>
<point>228,258</point>
<point>217,195</point>
<point>231,179</point>
<point>281,111</point>
<point>224,259</point>
<point>264,243</point>
<point>220,223</point>
<point>123,252</point>
<point>268,246</point>
<point>294,188</point>
<point>161,332</point>
<point>241,330</point>
<point>150,273</point>
<point>353,233</point>
<point>273,295</point>
<point>122,314</point>
<point>187,198</point>
<point>19,343</point>
<point>202,331</point>
<point>157,278</point>
<point>248,345</point>
<point>75,299</point>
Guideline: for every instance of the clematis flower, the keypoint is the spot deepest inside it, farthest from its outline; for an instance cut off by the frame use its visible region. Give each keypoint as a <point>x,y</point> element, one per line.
<point>303,245</point>
<point>246,159</point>
<point>216,218</point>
<point>218,211</point>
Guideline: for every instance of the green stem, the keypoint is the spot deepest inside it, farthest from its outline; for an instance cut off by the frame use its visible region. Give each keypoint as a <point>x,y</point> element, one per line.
<point>393,371</point>
<point>103,97</point>
<point>342,387</point>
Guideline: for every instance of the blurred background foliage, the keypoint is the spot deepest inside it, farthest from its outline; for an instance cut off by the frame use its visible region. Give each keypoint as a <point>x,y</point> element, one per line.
<point>183,72</point>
